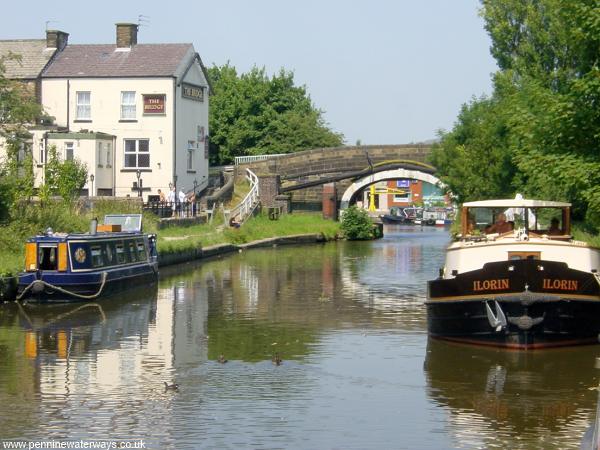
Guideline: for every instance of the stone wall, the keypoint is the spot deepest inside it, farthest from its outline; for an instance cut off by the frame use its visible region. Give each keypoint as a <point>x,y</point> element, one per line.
<point>322,161</point>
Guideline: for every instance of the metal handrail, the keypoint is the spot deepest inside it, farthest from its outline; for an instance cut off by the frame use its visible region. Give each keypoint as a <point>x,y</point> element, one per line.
<point>246,159</point>
<point>246,207</point>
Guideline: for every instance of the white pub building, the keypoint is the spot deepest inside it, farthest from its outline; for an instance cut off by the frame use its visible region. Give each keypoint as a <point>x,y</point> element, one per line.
<point>135,114</point>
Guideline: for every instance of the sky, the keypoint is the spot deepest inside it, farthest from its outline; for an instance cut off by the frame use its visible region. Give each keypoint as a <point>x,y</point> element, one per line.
<point>382,71</point>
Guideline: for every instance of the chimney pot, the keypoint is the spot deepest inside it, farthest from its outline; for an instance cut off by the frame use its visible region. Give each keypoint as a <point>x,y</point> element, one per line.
<point>126,35</point>
<point>56,39</point>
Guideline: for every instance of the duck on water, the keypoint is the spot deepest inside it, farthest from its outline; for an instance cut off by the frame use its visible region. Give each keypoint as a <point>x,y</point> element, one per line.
<point>515,277</point>
<point>110,258</point>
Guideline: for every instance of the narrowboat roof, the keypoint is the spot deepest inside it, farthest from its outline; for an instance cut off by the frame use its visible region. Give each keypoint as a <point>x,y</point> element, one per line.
<point>516,203</point>
<point>61,237</point>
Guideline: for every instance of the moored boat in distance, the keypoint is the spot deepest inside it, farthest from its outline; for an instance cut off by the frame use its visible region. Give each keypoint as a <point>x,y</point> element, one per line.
<point>437,216</point>
<point>516,278</point>
<point>396,215</point>
<point>62,267</point>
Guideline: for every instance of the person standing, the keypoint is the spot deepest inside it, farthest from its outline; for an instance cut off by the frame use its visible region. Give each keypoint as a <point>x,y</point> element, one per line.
<point>172,198</point>
<point>192,201</point>
<point>182,202</point>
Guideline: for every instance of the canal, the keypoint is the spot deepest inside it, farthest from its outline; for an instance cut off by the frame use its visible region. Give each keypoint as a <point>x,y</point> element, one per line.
<point>358,370</point>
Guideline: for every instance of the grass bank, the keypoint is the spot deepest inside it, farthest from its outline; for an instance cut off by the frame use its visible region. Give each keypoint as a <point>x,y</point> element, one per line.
<point>30,220</point>
<point>172,240</point>
<point>35,220</point>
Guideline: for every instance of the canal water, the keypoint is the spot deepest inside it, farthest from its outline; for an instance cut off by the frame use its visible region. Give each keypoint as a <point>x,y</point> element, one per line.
<point>358,371</point>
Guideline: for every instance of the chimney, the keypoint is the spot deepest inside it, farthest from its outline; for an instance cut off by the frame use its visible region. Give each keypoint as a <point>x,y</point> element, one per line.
<point>126,35</point>
<point>56,39</point>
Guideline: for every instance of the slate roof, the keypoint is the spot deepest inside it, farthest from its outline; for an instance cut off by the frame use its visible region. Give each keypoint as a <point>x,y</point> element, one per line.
<point>34,57</point>
<point>142,60</point>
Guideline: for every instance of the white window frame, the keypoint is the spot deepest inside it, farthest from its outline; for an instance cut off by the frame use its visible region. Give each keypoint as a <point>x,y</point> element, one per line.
<point>190,156</point>
<point>136,152</point>
<point>108,154</point>
<point>83,110</point>
<point>99,160</point>
<point>69,146</point>
<point>128,105</point>
<point>403,197</point>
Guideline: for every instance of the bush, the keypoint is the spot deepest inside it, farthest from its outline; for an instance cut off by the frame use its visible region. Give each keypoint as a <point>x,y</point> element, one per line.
<point>356,224</point>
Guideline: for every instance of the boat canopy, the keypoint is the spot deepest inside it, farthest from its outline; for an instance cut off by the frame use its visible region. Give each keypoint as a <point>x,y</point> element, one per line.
<point>516,203</point>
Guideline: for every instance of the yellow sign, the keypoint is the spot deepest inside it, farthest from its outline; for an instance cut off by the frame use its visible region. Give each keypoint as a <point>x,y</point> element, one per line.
<point>563,285</point>
<point>490,285</point>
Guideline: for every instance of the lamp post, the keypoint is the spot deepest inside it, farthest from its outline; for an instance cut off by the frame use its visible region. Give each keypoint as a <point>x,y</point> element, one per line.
<point>92,185</point>
<point>194,198</point>
<point>138,174</point>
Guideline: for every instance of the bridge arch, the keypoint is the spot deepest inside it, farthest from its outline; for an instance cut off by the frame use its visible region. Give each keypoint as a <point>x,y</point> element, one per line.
<point>392,174</point>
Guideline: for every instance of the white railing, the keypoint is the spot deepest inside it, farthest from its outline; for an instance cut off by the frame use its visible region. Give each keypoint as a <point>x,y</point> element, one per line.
<point>247,206</point>
<point>246,159</point>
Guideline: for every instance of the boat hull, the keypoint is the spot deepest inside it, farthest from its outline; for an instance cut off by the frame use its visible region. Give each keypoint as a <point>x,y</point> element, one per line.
<point>522,304</point>
<point>85,286</point>
<point>394,220</point>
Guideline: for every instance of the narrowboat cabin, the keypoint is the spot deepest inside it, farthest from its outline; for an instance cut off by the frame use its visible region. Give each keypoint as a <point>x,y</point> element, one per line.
<point>396,216</point>
<point>515,277</point>
<point>110,258</point>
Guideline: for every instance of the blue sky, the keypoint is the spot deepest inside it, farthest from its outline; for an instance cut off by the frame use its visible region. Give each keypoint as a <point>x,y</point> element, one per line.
<point>383,71</point>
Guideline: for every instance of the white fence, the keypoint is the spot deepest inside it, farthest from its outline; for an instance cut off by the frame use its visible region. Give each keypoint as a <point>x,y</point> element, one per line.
<point>246,207</point>
<point>246,159</point>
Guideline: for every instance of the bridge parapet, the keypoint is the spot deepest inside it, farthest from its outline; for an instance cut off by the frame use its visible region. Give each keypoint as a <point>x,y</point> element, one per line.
<point>307,170</point>
<point>321,161</point>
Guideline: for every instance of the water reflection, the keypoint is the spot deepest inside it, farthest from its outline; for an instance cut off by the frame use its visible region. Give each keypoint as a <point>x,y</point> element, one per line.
<point>498,398</point>
<point>348,321</point>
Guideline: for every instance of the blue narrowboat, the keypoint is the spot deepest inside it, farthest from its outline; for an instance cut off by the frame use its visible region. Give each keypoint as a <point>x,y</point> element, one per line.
<point>110,258</point>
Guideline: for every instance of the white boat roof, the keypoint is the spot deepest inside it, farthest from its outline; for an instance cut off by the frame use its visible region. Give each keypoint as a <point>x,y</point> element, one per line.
<point>516,203</point>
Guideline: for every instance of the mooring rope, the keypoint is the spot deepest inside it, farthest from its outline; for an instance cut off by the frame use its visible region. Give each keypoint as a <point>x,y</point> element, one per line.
<point>65,291</point>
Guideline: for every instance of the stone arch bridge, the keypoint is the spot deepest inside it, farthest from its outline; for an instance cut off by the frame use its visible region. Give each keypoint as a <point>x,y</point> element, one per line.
<point>298,178</point>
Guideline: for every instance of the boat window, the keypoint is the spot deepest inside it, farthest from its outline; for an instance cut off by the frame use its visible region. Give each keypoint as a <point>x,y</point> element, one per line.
<point>141,248</point>
<point>47,258</point>
<point>97,259</point>
<point>549,221</point>
<point>132,250</point>
<point>524,255</point>
<point>121,258</point>
<point>108,253</point>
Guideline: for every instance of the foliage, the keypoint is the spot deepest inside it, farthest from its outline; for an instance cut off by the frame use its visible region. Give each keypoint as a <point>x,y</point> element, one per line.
<point>18,108</point>
<point>472,160</point>
<point>356,224</point>
<point>539,132</point>
<point>63,177</point>
<point>60,216</point>
<point>252,114</point>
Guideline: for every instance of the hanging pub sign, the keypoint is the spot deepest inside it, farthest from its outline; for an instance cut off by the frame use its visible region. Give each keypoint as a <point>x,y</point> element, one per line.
<point>154,104</point>
<point>192,92</point>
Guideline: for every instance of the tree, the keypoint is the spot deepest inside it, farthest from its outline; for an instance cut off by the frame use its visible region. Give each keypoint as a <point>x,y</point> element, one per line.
<point>356,224</point>
<point>65,178</point>
<point>539,132</point>
<point>473,160</point>
<point>18,109</point>
<point>253,114</point>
